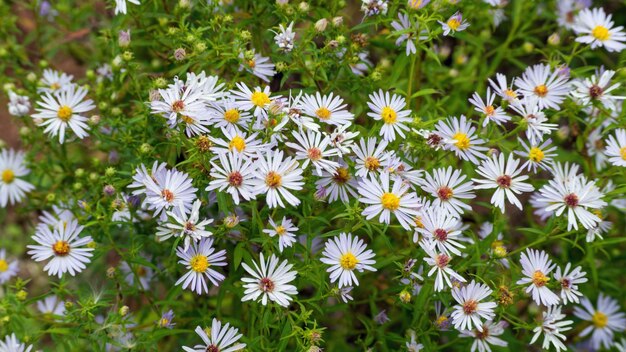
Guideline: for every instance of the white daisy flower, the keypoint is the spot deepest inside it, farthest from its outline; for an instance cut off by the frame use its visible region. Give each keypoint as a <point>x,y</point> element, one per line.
<point>550,88</point>
<point>51,305</point>
<point>596,232</point>
<point>458,134</point>
<point>8,269</point>
<point>605,320</point>
<point>552,327</point>
<point>442,229</point>
<point>413,346</point>
<point>19,105</point>
<point>389,109</point>
<point>595,28</point>
<point>54,81</point>
<point>439,263</point>
<point>488,111</point>
<point>258,65</point>
<point>408,32</point>
<point>256,101</point>
<point>569,281</point>
<point>536,120</point>
<point>12,188</point>
<point>328,109</point>
<point>597,88</point>
<point>374,7</point>
<point>236,141</point>
<point>447,188</point>
<point>369,157</point>
<point>270,281</point>
<point>454,24</point>
<point>487,336</point>
<point>616,148</point>
<point>120,5</point>
<point>343,140</point>
<point>169,190</point>
<point>344,254</point>
<point>64,109</point>
<point>181,102</point>
<point>234,175</point>
<point>536,266</point>
<point>504,90</point>
<point>284,38</point>
<point>221,339</point>
<point>567,10</point>
<point>285,231</point>
<point>225,113</point>
<point>276,177</point>
<point>577,196</point>
<point>315,148</point>
<point>470,311</point>
<point>64,247</point>
<point>539,155</point>
<point>199,259</point>
<point>12,344</point>
<point>141,274</point>
<point>185,226</point>
<point>595,147</point>
<point>505,177</point>
<point>293,111</point>
<point>339,184</point>
<point>385,200</point>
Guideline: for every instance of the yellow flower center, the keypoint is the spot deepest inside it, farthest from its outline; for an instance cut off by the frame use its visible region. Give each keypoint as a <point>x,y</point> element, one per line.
<point>540,279</point>
<point>260,99</point>
<point>510,93</point>
<point>64,113</point>
<point>323,113</point>
<point>601,33</point>
<point>418,222</point>
<point>599,320</point>
<point>535,154</point>
<point>489,110</point>
<point>4,266</point>
<point>232,115</point>
<point>61,248</point>
<point>342,176</point>
<point>372,163</point>
<point>8,176</point>
<point>252,63</point>
<point>390,201</point>
<point>389,115</point>
<point>237,143</point>
<point>462,140</point>
<point>454,23</point>
<point>541,90</point>
<point>188,120</point>
<point>55,86</point>
<point>622,152</point>
<point>273,179</point>
<point>280,230</point>
<point>348,261</point>
<point>199,263</point>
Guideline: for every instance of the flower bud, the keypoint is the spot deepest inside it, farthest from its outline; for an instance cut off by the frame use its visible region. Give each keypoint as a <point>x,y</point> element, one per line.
<point>21,295</point>
<point>108,190</point>
<point>337,21</point>
<point>405,296</point>
<point>123,310</point>
<point>180,54</point>
<point>123,38</point>
<point>554,39</point>
<point>320,25</point>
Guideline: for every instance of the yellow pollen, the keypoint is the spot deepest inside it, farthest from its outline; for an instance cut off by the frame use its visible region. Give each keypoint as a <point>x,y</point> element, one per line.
<point>541,90</point>
<point>390,201</point>
<point>273,179</point>
<point>601,33</point>
<point>237,143</point>
<point>8,176</point>
<point>55,86</point>
<point>164,321</point>
<point>61,248</point>
<point>252,63</point>
<point>389,115</point>
<point>442,319</point>
<point>462,140</point>
<point>199,263</point>
<point>280,230</point>
<point>260,99</point>
<point>323,113</point>
<point>64,113</point>
<point>622,152</point>
<point>510,93</point>
<point>489,110</point>
<point>232,115</point>
<point>372,163</point>
<point>348,261</point>
<point>341,176</point>
<point>599,320</point>
<point>4,266</point>
<point>418,222</point>
<point>188,120</point>
<point>539,279</point>
<point>454,23</point>
<point>535,154</point>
